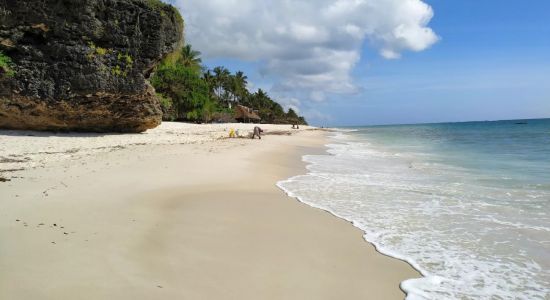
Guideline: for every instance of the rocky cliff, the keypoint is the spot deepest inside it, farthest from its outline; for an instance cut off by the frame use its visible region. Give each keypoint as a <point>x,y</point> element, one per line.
<point>83,64</point>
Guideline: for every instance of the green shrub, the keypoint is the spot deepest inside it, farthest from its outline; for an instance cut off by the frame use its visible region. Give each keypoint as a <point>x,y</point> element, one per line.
<point>127,58</point>
<point>101,51</point>
<point>6,65</point>
<point>161,6</point>
<point>116,71</point>
<point>189,93</point>
<point>165,102</point>
<point>95,50</point>
<point>157,4</point>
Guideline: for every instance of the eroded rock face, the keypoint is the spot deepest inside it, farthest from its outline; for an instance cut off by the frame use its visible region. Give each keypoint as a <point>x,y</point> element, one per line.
<point>82,64</point>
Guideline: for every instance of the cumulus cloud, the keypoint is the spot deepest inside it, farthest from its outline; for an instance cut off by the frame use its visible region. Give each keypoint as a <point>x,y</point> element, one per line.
<point>310,47</point>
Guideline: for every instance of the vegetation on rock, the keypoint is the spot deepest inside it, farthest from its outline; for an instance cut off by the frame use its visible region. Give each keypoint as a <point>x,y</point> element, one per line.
<point>161,7</point>
<point>5,65</point>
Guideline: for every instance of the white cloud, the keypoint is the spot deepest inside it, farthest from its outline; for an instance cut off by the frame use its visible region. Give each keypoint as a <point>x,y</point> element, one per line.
<point>310,46</point>
<point>317,96</point>
<point>317,117</point>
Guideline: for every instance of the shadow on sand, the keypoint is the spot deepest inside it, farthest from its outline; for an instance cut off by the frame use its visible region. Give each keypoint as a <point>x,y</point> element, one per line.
<point>46,134</point>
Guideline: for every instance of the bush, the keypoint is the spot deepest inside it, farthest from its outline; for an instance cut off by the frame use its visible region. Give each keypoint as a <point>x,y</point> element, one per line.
<point>189,93</point>
<point>6,65</point>
<point>161,6</point>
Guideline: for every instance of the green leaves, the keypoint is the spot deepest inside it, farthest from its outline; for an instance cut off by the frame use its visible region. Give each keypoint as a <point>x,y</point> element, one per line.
<point>189,93</point>
<point>197,95</point>
<point>6,66</point>
<point>190,58</point>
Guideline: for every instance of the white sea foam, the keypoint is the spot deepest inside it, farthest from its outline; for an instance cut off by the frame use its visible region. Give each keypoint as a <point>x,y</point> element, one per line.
<point>469,237</point>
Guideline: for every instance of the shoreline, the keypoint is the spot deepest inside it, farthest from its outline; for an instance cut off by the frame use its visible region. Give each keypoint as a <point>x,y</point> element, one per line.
<point>406,286</point>
<point>197,220</point>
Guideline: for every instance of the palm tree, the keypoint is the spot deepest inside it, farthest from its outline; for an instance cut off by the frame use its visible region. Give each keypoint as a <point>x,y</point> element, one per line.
<point>208,77</point>
<point>221,88</point>
<point>190,58</point>
<point>239,86</point>
<point>261,94</point>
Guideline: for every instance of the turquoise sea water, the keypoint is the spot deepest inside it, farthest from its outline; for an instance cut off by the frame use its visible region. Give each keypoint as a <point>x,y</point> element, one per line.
<point>467,204</point>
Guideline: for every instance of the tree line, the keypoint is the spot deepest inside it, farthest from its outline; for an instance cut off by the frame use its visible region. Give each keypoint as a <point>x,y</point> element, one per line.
<point>190,92</point>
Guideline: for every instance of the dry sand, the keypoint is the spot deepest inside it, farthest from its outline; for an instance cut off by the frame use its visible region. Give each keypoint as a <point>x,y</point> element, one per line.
<point>162,220</point>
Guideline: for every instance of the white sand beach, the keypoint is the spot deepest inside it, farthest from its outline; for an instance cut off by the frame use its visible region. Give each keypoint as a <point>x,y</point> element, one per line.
<point>179,212</point>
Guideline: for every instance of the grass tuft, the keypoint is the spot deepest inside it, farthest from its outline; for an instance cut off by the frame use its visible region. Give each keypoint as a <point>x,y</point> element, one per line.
<point>6,65</point>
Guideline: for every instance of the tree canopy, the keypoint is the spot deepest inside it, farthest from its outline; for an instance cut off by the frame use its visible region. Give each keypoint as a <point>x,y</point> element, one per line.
<point>190,92</point>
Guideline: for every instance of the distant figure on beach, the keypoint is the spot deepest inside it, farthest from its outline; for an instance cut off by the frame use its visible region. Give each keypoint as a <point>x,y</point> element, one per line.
<point>295,126</point>
<point>257,132</point>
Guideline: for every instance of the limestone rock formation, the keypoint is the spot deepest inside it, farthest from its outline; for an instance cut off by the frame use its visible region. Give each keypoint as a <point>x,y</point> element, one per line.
<point>83,65</point>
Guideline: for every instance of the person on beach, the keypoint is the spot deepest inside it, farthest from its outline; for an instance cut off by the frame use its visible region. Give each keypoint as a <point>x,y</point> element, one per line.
<point>257,132</point>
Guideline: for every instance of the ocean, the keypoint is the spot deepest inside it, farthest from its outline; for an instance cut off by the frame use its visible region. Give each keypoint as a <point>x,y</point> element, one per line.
<point>466,204</point>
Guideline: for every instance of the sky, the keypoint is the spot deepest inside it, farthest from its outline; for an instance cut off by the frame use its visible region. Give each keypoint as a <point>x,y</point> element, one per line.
<point>373,62</point>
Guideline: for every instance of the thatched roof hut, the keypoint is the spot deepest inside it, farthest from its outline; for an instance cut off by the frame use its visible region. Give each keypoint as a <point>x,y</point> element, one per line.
<point>244,114</point>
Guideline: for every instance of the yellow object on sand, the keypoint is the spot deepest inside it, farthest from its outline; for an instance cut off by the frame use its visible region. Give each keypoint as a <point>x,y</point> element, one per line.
<point>232,133</point>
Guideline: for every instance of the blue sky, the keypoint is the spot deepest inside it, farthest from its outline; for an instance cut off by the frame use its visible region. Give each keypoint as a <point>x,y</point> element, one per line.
<point>491,61</point>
